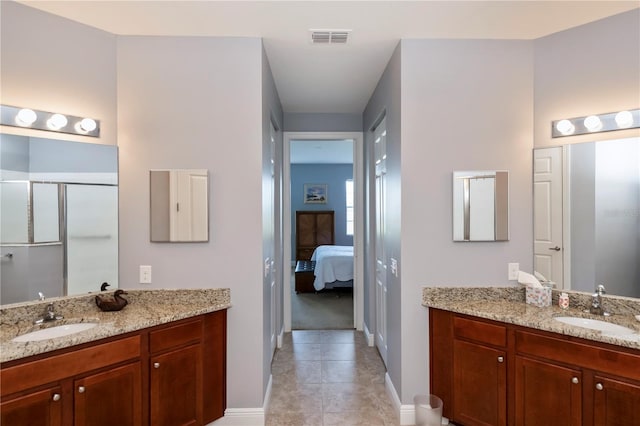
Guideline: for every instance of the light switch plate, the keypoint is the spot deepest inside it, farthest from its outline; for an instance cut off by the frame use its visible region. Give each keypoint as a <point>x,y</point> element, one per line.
<point>145,274</point>
<point>394,266</point>
<point>514,268</point>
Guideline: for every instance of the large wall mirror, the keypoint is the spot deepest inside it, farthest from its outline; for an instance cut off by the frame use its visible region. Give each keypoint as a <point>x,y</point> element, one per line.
<point>481,205</point>
<point>587,215</point>
<point>179,205</point>
<point>58,217</point>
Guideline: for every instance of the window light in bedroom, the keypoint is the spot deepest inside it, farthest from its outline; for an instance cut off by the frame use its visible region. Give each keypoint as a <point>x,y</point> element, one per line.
<point>349,204</point>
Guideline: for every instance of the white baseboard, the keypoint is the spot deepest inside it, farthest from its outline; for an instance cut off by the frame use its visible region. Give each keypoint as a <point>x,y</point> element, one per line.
<point>241,417</point>
<point>280,338</point>
<point>406,413</point>
<point>369,336</point>
<point>245,416</point>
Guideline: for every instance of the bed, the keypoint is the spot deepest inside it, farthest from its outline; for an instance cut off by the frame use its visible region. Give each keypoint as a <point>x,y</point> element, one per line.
<point>334,267</point>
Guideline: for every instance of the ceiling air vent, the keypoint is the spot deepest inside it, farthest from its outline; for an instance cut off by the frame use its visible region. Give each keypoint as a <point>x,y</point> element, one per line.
<point>329,36</point>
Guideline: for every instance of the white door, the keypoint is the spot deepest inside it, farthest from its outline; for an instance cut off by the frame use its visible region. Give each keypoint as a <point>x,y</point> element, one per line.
<point>547,213</point>
<point>271,272</point>
<point>189,219</point>
<point>380,156</point>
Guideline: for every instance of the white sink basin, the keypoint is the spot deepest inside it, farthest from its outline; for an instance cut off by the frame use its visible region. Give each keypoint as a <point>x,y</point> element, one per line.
<point>593,324</point>
<point>53,332</point>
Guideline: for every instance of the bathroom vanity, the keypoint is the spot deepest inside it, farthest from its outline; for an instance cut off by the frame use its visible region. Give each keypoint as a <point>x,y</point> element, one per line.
<point>161,363</point>
<point>499,361</point>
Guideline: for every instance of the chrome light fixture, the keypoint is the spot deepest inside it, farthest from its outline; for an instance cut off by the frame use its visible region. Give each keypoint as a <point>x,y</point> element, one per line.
<point>628,119</point>
<point>48,121</point>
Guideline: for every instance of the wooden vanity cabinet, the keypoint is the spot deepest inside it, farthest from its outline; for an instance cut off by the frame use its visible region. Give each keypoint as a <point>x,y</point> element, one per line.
<point>547,394</point>
<point>166,375</point>
<point>615,402</point>
<point>111,397</point>
<point>550,379</point>
<point>175,376</point>
<point>51,389</point>
<point>479,373</point>
<point>37,408</point>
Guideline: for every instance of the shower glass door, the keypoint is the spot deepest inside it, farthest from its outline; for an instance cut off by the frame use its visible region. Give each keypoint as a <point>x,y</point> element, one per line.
<point>92,237</point>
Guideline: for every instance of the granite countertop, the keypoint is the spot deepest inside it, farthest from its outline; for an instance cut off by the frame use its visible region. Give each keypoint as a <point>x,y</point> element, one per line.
<point>507,304</point>
<point>146,308</point>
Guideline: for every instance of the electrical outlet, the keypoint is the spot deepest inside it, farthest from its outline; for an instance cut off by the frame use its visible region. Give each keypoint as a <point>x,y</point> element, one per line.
<point>514,268</point>
<point>145,274</point>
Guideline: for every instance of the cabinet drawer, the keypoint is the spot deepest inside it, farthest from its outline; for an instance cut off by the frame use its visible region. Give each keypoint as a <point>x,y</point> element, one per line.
<point>579,354</point>
<point>480,331</point>
<point>58,367</point>
<point>173,337</point>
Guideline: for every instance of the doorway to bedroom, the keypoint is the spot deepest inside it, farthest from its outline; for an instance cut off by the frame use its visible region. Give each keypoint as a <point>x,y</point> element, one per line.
<point>322,229</point>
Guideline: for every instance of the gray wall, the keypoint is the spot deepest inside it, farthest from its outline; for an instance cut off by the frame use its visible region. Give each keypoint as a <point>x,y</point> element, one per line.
<point>466,105</point>
<point>587,70</point>
<point>196,102</point>
<point>78,78</point>
<point>386,100</point>
<point>322,122</point>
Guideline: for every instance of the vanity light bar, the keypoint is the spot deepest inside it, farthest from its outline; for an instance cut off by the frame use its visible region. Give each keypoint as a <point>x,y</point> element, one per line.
<point>49,121</point>
<point>628,119</point>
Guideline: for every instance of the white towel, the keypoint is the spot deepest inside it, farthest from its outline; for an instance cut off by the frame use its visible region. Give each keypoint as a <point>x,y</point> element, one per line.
<point>528,280</point>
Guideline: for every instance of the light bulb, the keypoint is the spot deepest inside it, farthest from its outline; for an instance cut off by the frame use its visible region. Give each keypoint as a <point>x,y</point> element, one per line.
<point>26,117</point>
<point>624,119</point>
<point>565,127</point>
<point>592,123</point>
<point>88,124</point>
<point>57,122</point>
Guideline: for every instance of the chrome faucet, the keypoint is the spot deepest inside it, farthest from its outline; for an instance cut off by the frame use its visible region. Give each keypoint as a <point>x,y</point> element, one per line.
<point>48,315</point>
<point>596,302</point>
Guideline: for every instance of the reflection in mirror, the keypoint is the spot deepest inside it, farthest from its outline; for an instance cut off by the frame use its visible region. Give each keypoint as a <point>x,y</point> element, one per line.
<point>587,215</point>
<point>58,217</point>
<point>481,205</point>
<point>179,205</point>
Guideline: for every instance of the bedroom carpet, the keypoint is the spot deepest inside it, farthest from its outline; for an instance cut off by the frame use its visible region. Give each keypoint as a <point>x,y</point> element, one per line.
<point>325,310</point>
<point>322,378</point>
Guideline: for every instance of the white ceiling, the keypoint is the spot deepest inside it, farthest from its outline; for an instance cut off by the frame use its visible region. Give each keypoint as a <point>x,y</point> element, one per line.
<point>334,78</point>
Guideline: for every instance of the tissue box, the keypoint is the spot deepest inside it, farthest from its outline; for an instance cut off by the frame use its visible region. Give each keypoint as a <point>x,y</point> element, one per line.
<point>538,296</point>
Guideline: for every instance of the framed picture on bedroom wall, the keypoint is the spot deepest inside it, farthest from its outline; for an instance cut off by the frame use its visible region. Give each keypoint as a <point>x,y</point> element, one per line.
<point>315,193</point>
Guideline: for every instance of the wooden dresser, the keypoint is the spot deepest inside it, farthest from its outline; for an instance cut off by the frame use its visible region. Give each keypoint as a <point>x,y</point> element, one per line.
<point>313,228</point>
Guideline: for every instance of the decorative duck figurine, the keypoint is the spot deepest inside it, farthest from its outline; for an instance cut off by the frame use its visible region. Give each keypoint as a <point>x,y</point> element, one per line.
<point>104,286</point>
<point>115,303</point>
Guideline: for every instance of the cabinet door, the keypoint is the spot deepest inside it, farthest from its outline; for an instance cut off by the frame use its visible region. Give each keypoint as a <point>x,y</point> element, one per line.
<point>42,408</point>
<point>176,387</point>
<point>324,229</point>
<point>616,403</point>
<point>112,397</point>
<point>305,229</point>
<point>479,383</point>
<point>547,394</point>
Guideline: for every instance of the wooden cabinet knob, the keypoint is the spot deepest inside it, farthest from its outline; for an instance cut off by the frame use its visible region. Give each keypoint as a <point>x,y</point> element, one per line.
<point>81,389</point>
<point>56,397</point>
<point>575,380</point>
<point>599,386</point>
<point>156,365</point>
<point>500,359</point>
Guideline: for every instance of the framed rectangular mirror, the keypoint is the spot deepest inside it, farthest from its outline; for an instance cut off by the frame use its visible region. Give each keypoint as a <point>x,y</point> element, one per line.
<point>481,205</point>
<point>58,217</point>
<point>179,205</point>
<point>586,212</point>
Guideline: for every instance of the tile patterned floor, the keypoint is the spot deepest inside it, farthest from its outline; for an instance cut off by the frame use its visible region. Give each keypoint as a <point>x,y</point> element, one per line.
<point>322,378</point>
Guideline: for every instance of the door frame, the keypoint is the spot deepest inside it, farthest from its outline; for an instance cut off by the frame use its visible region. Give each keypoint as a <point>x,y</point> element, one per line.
<point>358,237</point>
